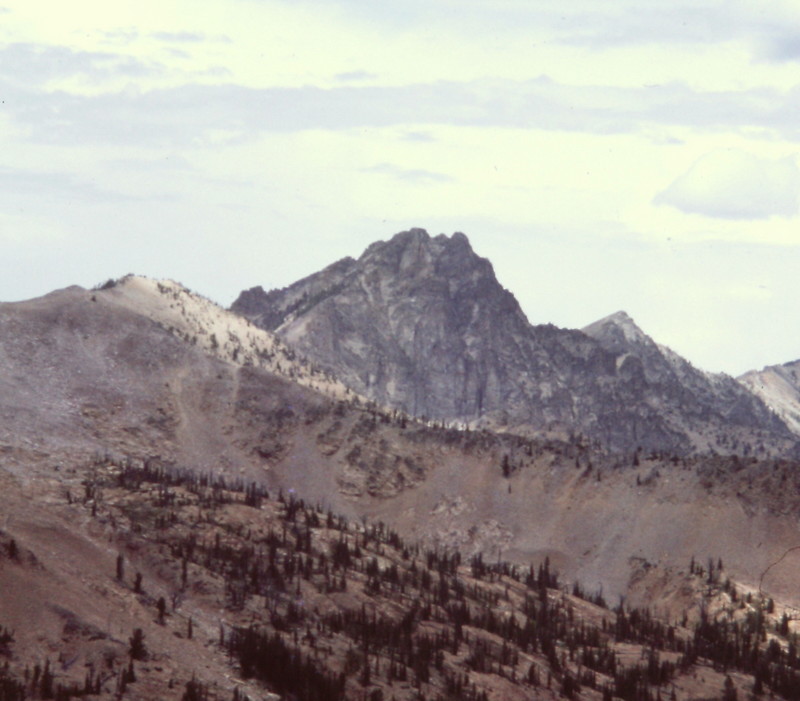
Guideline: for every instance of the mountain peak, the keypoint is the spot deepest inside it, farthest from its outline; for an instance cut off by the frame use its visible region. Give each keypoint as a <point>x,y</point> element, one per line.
<point>620,317</point>
<point>422,324</point>
<point>417,237</point>
<point>617,329</point>
<point>416,255</point>
<point>400,240</point>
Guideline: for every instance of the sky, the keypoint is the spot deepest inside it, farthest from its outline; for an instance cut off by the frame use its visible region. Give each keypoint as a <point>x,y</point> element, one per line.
<point>604,156</point>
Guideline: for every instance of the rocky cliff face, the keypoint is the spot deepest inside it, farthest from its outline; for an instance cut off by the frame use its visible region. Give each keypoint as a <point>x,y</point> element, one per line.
<point>420,323</point>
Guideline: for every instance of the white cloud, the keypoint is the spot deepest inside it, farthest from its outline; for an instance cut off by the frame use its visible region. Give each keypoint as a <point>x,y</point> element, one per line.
<point>30,64</point>
<point>179,37</point>
<point>419,137</point>
<point>17,185</point>
<point>410,174</point>
<point>734,184</point>
<point>184,114</point>
<point>354,76</point>
<point>781,48</point>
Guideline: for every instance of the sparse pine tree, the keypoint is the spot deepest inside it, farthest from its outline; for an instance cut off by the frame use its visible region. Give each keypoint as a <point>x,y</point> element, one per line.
<point>729,690</point>
<point>137,649</point>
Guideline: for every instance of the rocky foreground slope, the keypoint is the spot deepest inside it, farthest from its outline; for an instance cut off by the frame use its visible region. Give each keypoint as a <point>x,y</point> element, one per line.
<point>421,323</point>
<point>133,580</point>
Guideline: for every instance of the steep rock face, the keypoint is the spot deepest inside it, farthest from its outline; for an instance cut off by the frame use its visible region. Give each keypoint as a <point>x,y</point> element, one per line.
<point>421,323</point>
<point>373,321</point>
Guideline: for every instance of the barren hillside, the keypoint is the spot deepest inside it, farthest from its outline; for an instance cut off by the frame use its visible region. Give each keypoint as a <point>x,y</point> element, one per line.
<point>132,370</point>
<point>131,579</point>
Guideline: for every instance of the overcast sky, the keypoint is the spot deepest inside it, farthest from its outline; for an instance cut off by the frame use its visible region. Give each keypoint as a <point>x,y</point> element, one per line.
<point>603,155</point>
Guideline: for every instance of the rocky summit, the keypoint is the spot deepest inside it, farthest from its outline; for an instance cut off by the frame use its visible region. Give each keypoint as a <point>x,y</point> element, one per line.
<point>420,323</point>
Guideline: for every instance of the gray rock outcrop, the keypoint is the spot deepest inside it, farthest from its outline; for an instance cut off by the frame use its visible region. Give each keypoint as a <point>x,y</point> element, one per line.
<point>421,324</point>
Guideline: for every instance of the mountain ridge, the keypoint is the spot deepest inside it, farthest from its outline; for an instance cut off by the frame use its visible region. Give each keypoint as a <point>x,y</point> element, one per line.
<point>421,323</point>
<point>143,424</point>
<point>111,370</point>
